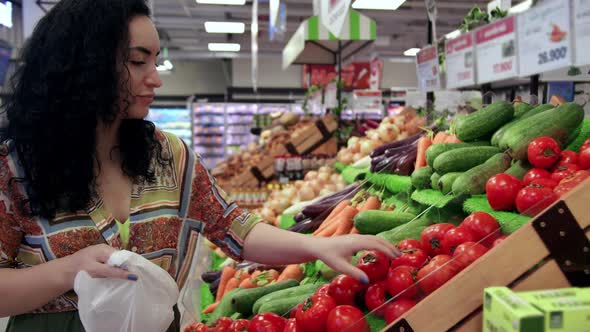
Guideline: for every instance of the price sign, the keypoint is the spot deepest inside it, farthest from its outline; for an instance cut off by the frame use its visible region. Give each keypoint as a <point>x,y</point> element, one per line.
<point>496,51</point>
<point>460,61</point>
<point>428,69</point>
<point>544,37</point>
<point>582,31</point>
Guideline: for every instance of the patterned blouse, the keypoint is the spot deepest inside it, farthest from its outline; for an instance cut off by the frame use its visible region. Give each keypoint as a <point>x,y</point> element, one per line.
<point>166,218</point>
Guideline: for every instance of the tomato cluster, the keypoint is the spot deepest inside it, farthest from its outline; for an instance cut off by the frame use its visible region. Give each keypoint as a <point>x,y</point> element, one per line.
<point>555,173</point>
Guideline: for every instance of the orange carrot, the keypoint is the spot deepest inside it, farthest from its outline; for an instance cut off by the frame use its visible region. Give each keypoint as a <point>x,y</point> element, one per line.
<point>336,211</point>
<point>344,221</point>
<point>354,231</point>
<point>249,282</point>
<point>372,203</point>
<point>210,308</point>
<point>272,275</point>
<point>235,281</point>
<point>329,230</point>
<point>423,143</point>
<point>344,227</point>
<point>292,271</point>
<point>227,273</point>
<point>439,137</point>
<point>452,139</point>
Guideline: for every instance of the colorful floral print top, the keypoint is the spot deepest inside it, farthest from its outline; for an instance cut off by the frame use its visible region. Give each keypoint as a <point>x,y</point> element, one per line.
<point>166,218</point>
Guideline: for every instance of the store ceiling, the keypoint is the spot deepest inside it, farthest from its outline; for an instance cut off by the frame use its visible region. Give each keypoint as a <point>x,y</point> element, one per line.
<point>181,26</point>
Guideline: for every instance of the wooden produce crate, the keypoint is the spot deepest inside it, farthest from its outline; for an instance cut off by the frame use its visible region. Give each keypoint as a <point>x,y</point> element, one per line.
<point>552,251</point>
<point>313,136</point>
<point>265,170</point>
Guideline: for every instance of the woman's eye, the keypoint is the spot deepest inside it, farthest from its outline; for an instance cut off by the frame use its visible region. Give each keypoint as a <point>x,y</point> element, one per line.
<point>137,63</point>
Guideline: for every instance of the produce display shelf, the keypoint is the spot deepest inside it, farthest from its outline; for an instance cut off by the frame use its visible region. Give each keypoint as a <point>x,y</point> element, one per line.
<point>209,134</point>
<point>523,261</point>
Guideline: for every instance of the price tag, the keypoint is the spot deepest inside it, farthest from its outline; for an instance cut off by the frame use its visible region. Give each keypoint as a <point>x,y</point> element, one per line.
<point>496,51</point>
<point>428,69</point>
<point>460,61</point>
<point>544,37</point>
<point>582,31</point>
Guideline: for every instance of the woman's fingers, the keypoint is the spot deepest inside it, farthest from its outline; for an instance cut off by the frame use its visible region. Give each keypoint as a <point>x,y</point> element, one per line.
<point>343,266</point>
<point>105,271</point>
<point>368,242</point>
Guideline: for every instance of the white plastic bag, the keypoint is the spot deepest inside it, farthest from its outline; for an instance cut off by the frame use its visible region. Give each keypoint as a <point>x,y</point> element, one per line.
<point>116,305</point>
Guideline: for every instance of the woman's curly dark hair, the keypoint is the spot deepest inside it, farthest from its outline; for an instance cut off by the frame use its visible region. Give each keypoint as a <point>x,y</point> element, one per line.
<point>67,80</point>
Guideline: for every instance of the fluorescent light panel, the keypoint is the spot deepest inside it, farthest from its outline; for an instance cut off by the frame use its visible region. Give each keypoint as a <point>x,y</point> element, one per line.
<point>412,51</point>
<point>225,27</point>
<point>453,34</point>
<point>521,7</point>
<point>222,2</point>
<point>224,47</point>
<point>378,4</point>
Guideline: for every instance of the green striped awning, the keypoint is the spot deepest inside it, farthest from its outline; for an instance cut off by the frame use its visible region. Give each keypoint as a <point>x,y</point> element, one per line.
<point>357,27</point>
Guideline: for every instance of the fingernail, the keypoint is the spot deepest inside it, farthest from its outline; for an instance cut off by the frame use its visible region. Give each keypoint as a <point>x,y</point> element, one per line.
<point>364,280</point>
<point>132,277</point>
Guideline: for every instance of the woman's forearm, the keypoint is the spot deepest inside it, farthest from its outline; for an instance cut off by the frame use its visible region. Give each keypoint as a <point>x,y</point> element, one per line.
<point>24,290</point>
<point>270,245</point>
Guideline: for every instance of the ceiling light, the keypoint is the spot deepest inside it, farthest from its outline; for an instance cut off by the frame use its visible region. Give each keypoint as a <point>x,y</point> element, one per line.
<point>378,4</point>
<point>165,66</point>
<point>225,27</point>
<point>521,7</point>
<point>453,34</point>
<point>222,2</point>
<point>224,47</point>
<point>412,51</point>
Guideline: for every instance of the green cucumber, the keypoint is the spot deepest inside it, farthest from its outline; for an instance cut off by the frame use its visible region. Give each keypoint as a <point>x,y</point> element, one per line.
<point>434,181</point>
<point>463,159</point>
<point>243,301</point>
<point>435,150</point>
<point>376,221</point>
<point>484,121</point>
<point>519,169</point>
<point>421,177</point>
<point>473,182</point>
<point>521,109</point>
<point>411,230</point>
<point>283,294</point>
<point>445,215</point>
<point>283,306</point>
<point>497,137</point>
<point>558,123</point>
<point>225,308</point>
<point>579,139</point>
<point>445,183</point>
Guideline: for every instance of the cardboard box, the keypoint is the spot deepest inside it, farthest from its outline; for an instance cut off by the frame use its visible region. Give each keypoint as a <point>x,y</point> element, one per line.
<point>504,310</point>
<point>565,309</point>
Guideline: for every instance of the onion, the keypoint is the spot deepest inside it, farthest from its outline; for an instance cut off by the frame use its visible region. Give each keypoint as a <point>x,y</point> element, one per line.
<point>346,158</point>
<point>299,184</point>
<point>355,148</point>
<point>352,141</point>
<point>311,175</point>
<point>366,147</point>
<point>326,191</point>
<point>331,187</point>
<point>267,214</point>
<point>324,177</point>
<point>374,136</point>
<point>357,156</point>
<point>335,178</point>
<point>306,193</point>
<point>388,133</point>
<point>283,204</point>
<point>325,169</point>
<point>289,192</point>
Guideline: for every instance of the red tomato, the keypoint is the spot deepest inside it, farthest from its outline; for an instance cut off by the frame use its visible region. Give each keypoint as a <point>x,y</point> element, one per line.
<point>375,264</point>
<point>375,298</point>
<point>221,325</point>
<point>240,325</point>
<point>347,318</point>
<point>455,237</point>
<point>530,201</point>
<point>543,152</point>
<point>313,314</point>
<point>498,240</point>
<point>467,253</point>
<point>501,191</point>
<point>535,173</point>
<point>436,273</point>
<point>412,257</point>
<point>584,159</point>
<point>401,282</point>
<point>563,171</point>
<point>586,144</point>
<point>543,183</point>
<point>293,313</point>
<point>344,289</point>
<point>409,244</point>
<point>397,308</point>
<point>483,226</point>
<point>267,322</point>
<point>432,236</point>
<point>568,157</point>
<point>292,326</point>
<point>323,290</point>
<point>196,327</point>
<point>571,182</point>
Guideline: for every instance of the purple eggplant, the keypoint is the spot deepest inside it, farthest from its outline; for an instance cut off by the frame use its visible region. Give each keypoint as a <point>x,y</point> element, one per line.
<point>381,150</point>
<point>210,276</point>
<point>372,124</point>
<point>214,285</point>
<point>299,217</point>
<point>405,165</point>
<point>328,202</point>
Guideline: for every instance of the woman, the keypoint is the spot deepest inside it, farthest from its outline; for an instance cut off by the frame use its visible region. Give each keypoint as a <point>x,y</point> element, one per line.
<point>82,174</point>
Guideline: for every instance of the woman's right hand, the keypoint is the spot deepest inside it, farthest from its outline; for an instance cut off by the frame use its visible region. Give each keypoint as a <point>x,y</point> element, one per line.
<point>93,260</point>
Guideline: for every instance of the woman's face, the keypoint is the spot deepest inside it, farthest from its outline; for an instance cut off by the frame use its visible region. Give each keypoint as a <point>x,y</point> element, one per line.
<point>143,79</point>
